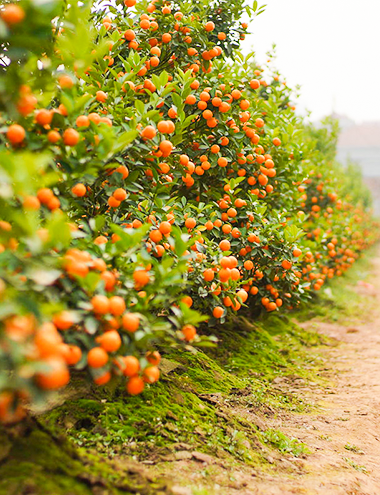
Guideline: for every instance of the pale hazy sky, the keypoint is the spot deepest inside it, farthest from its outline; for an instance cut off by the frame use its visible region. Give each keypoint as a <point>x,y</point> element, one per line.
<point>329,47</point>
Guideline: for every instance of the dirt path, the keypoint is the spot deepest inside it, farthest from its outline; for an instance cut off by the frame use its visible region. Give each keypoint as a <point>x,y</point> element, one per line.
<point>343,435</point>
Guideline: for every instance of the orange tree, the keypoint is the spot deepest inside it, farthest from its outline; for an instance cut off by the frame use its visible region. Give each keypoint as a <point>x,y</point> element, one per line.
<point>152,177</point>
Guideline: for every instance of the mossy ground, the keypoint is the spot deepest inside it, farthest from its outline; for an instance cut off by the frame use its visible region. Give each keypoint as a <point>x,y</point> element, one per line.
<point>209,401</point>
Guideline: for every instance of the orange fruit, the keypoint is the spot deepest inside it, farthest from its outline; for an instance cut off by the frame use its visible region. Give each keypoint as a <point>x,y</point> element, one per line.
<point>116,305</point>
<point>56,376</point>
<point>12,14</point>
<point>44,117</point>
<point>209,275</point>
<point>254,83</point>
<point>103,379</point>
<point>100,304</point>
<point>101,96</point>
<point>31,203</point>
<point>187,300</point>
<point>131,366</point>
<point>190,223</point>
<point>141,278</point>
<point>71,137</point>
<point>53,136</point>
<point>153,357</point>
<point>165,227</point>
<point>297,252</point>
<point>225,245</point>
<point>218,312</point>
<point>97,357</point>
<point>135,385</point>
<point>63,320</point>
<point>209,26</point>
<point>151,374</point>
<point>110,341</point>
<point>15,134</point>
<point>286,265</point>
<point>131,322</point>
<point>189,332</point>
<point>120,194</point>
<point>79,190</point>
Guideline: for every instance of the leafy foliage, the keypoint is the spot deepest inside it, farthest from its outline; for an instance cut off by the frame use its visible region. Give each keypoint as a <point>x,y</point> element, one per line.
<point>152,177</point>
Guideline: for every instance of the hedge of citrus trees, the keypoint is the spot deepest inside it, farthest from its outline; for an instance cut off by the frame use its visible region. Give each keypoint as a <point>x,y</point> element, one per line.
<point>151,178</point>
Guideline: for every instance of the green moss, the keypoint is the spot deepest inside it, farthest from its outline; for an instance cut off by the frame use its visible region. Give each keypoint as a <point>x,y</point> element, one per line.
<point>41,464</point>
<point>192,403</point>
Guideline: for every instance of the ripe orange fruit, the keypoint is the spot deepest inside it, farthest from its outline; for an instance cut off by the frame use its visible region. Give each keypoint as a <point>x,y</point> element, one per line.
<point>100,304</point>
<point>209,26</point>
<point>155,236</point>
<point>225,245</point>
<point>254,83</point>
<point>166,38</point>
<point>166,147</point>
<point>97,357</point>
<point>286,265</point>
<point>153,357</point>
<point>131,322</point>
<point>149,132</point>
<point>187,300</point>
<point>63,320</point>
<point>31,203</point>
<point>141,278</point>
<point>65,81</point>
<point>82,121</point>
<point>165,227</point>
<point>190,223</point>
<point>79,190</point>
<point>44,117</point>
<point>135,385</point>
<point>15,134</point>
<point>53,136</point>
<point>120,194</point>
<point>109,279</point>
<point>242,294</point>
<point>101,96</point>
<point>151,374</point>
<point>131,366</point>
<point>12,14</point>
<point>129,35</point>
<point>110,341</point>
<point>189,332</point>
<point>236,94</point>
<point>224,274</point>
<point>297,252</point>
<point>218,312</point>
<point>47,340</point>
<point>103,379</point>
<point>71,137</point>
<point>72,354</point>
<point>57,376</point>
<point>113,202</point>
<point>116,305</point>
<point>209,275</point>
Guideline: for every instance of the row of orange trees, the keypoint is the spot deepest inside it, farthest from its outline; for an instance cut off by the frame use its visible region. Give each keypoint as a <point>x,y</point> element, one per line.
<point>151,178</point>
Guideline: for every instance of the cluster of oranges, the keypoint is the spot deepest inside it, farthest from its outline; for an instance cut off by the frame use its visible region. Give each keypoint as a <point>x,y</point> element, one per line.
<point>167,182</point>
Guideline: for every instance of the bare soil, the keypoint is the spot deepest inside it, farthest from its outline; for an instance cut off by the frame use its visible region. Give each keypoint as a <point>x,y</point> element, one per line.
<point>342,432</point>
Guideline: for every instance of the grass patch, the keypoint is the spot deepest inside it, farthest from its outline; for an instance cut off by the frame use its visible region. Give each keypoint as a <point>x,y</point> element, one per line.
<point>285,444</point>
